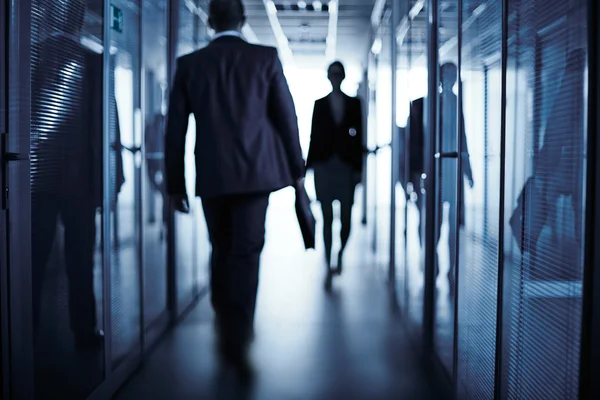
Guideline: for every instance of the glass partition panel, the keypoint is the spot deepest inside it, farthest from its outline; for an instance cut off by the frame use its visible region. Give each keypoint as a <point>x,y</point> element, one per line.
<point>67,194</point>
<point>481,77</point>
<point>191,246</point>
<point>124,179</point>
<point>416,44</point>
<point>448,197</point>
<point>545,179</point>
<point>155,205</point>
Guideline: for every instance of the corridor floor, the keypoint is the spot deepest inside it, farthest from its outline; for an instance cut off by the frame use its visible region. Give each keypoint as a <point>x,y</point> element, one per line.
<point>310,345</point>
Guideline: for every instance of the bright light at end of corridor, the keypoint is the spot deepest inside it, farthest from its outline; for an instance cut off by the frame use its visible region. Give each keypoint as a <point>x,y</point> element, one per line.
<point>377,46</point>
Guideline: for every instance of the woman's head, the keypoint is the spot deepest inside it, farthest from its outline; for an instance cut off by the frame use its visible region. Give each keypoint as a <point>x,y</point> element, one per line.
<point>448,75</point>
<point>336,73</point>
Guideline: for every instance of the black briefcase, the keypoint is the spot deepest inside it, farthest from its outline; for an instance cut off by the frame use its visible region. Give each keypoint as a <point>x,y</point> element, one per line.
<point>306,219</point>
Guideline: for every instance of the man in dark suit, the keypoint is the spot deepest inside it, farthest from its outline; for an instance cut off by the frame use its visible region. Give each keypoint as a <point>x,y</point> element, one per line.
<point>247,147</point>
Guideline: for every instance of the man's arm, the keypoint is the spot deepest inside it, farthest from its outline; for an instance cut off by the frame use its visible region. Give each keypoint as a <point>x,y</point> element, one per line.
<point>360,132</point>
<point>177,125</point>
<point>283,116</point>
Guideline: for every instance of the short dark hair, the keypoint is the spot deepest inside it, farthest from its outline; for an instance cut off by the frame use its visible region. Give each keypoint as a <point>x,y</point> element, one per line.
<point>226,14</point>
<point>449,71</point>
<point>337,64</point>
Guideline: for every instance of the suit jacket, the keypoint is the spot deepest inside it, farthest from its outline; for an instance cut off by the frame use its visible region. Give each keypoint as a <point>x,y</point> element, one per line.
<point>247,138</point>
<point>328,138</point>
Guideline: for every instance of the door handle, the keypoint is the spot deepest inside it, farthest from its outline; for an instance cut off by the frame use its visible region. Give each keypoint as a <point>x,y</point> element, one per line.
<point>450,154</point>
<point>133,150</point>
<point>15,157</point>
<point>6,157</point>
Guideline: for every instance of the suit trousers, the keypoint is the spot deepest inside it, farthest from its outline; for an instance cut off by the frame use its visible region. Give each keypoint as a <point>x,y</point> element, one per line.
<point>236,225</point>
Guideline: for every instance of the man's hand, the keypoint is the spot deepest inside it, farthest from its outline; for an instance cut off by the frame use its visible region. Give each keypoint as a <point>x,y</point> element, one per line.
<point>471,183</point>
<point>181,203</point>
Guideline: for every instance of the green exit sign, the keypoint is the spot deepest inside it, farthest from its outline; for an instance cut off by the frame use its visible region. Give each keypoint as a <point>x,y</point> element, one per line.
<point>116,18</point>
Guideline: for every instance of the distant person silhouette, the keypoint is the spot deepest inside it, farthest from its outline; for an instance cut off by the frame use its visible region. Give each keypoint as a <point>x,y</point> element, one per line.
<point>448,125</point>
<point>247,146</point>
<point>336,156</point>
<point>449,144</point>
<point>558,170</point>
<point>66,149</point>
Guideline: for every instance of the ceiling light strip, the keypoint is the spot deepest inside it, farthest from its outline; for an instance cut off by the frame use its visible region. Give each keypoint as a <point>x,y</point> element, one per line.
<point>404,24</point>
<point>285,52</point>
<point>453,42</point>
<point>377,13</point>
<point>331,49</point>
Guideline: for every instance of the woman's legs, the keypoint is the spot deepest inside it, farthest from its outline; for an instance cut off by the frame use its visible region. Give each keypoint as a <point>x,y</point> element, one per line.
<point>328,239</point>
<point>346,220</point>
<point>327,209</point>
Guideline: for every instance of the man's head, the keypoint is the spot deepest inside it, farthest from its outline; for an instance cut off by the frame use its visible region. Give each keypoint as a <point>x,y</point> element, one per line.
<point>336,74</point>
<point>448,75</point>
<point>226,15</point>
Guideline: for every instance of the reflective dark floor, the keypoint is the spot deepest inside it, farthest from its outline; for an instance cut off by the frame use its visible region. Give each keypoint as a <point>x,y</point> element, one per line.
<point>348,344</point>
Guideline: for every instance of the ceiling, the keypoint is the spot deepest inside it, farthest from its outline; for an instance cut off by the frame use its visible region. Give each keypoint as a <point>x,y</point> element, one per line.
<point>306,29</point>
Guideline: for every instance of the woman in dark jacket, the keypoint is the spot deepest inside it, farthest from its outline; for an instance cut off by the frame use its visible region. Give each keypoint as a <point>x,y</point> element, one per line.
<point>336,157</point>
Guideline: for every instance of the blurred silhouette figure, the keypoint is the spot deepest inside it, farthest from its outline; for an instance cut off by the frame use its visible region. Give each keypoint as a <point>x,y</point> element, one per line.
<point>448,144</point>
<point>66,148</point>
<point>154,135</point>
<point>247,147</point>
<point>558,170</point>
<point>449,192</point>
<point>336,156</point>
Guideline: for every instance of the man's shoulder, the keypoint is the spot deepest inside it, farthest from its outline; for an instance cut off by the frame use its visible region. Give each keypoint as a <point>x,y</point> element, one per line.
<point>262,51</point>
<point>354,99</point>
<point>208,51</point>
<point>187,58</point>
<point>321,100</point>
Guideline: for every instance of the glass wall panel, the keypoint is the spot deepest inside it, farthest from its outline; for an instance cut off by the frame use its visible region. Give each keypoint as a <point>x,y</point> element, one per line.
<point>545,179</point>
<point>192,249</point>
<point>67,193</point>
<point>416,44</point>
<point>449,197</point>
<point>481,74</point>
<point>382,168</point>
<point>125,161</point>
<point>155,205</point>
<point>400,156</point>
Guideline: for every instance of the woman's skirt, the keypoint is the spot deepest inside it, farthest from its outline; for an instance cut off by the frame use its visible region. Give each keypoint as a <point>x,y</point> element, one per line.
<point>335,180</point>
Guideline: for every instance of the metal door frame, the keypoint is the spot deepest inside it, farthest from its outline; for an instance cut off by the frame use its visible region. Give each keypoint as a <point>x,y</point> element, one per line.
<point>430,131</point>
<point>4,337</point>
<point>436,151</point>
<point>20,318</point>
<point>590,340</point>
<point>395,18</point>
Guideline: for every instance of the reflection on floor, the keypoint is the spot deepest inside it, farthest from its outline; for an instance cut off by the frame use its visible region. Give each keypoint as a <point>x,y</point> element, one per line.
<point>310,345</point>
